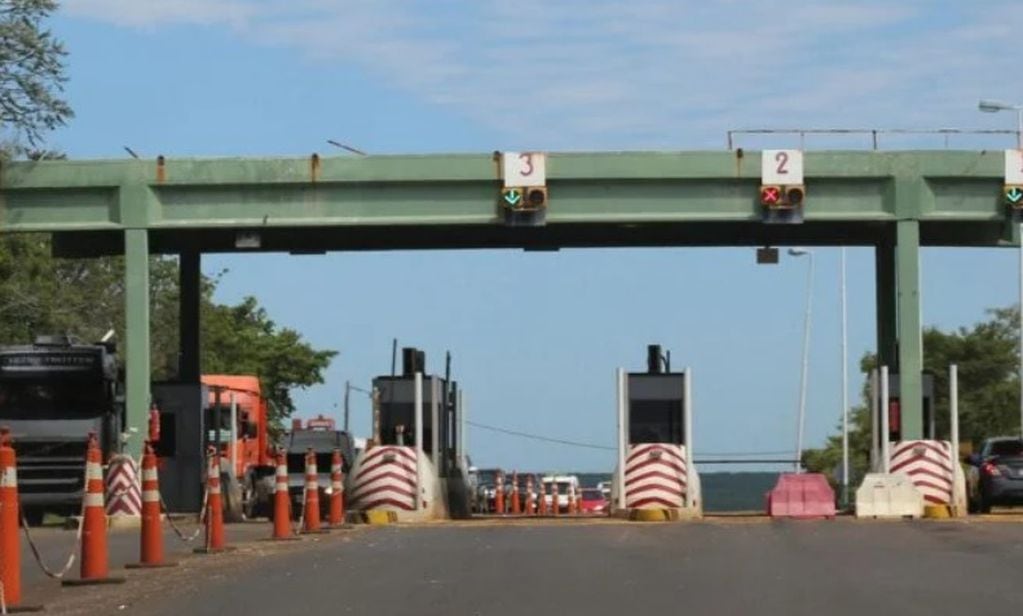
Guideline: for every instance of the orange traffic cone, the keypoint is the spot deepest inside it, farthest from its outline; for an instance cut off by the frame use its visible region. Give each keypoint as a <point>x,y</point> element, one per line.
<point>516,505</point>
<point>499,494</point>
<point>311,507</point>
<point>337,486</point>
<point>282,501</point>
<point>95,564</point>
<point>215,541</point>
<point>152,534</point>
<point>530,496</point>
<point>542,508</point>
<point>571,501</point>
<point>10,548</point>
<point>555,505</point>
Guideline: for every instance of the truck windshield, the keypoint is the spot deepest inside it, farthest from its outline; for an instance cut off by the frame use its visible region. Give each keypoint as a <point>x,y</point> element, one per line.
<point>51,398</point>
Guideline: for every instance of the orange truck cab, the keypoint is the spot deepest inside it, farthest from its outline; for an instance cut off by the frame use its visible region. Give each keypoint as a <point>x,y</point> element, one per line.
<point>244,444</point>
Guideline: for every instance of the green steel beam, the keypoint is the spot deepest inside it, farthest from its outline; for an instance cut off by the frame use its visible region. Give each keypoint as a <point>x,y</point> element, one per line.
<point>587,188</point>
<point>137,362</point>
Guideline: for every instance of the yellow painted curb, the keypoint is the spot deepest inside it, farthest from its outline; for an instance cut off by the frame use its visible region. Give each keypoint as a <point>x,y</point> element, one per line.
<point>939,512</point>
<point>377,517</point>
<point>649,515</point>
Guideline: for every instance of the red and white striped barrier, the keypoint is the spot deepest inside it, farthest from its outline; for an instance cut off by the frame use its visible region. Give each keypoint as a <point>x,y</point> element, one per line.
<point>929,466</point>
<point>123,490</point>
<point>655,476</point>
<point>385,478</point>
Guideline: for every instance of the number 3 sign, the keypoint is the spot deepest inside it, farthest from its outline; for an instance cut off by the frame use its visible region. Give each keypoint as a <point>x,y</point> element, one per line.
<point>524,169</point>
<point>783,167</point>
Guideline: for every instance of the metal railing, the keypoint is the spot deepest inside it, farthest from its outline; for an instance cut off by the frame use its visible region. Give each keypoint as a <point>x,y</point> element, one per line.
<point>873,133</point>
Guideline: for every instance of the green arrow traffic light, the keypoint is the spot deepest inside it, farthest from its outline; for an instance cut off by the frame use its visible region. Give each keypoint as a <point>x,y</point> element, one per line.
<point>1014,195</point>
<point>512,196</point>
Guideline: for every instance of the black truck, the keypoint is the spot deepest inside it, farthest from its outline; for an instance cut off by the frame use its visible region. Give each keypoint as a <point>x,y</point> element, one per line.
<point>53,393</point>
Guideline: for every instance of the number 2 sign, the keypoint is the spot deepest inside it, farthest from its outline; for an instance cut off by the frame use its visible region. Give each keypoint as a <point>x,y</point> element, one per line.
<point>783,167</point>
<point>524,169</point>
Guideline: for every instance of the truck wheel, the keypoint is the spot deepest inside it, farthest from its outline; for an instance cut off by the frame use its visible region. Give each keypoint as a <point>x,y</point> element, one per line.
<point>232,498</point>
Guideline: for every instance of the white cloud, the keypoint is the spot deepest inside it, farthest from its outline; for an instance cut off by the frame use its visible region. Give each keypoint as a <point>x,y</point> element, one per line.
<point>643,73</point>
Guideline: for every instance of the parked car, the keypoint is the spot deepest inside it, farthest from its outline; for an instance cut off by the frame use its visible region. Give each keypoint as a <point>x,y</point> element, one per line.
<point>995,477</point>
<point>564,482</point>
<point>486,489</point>
<point>593,501</point>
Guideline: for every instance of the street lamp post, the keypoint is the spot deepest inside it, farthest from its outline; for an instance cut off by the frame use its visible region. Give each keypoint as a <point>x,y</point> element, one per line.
<point>990,106</point>
<point>799,252</point>
<point>348,390</point>
<point>845,390</point>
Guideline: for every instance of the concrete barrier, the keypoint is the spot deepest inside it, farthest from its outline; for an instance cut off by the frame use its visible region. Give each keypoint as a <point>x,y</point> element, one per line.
<point>888,496</point>
<point>801,495</point>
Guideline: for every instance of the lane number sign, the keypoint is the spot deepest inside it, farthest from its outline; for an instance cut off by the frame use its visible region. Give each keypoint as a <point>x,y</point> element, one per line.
<point>783,167</point>
<point>524,169</point>
<point>1014,167</point>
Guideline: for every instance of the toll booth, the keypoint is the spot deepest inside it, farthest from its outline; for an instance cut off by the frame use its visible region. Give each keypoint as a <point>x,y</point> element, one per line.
<point>416,422</point>
<point>181,447</point>
<point>655,468</point>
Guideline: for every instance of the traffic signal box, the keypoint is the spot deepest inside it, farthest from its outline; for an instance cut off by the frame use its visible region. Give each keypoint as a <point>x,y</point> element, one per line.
<point>782,204</point>
<point>524,206</point>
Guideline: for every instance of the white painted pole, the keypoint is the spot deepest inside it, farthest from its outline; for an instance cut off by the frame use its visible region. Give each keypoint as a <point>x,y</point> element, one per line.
<point>687,377</point>
<point>806,365</point>
<point>885,462</point>
<point>845,390</point>
<point>953,410</point>
<point>418,423</point>
<point>622,427</point>
<point>462,458</point>
<point>435,423</point>
<point>874,393</point>
<point>234,436</point>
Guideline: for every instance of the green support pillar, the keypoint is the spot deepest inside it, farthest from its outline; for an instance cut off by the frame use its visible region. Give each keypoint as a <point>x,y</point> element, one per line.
<point>136,310</point>
<point>907,259</point>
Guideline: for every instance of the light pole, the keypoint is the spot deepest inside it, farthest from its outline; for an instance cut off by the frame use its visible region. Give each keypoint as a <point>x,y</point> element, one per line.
<point>800,252</point>
<point>348,390</point>
<point>991,106</point>
<point>845,390</point>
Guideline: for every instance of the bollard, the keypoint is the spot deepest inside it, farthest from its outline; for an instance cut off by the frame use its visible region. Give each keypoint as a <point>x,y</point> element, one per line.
<point>337,481</point>
<point>311,506</point>
<point>499,494</point>
<point>151,548</point>
<point>516,506</point>
<point>215,540</point>
<point>95,567</point>
<point>282,500</point>
<point>530,496</point>
<point>555,505</point>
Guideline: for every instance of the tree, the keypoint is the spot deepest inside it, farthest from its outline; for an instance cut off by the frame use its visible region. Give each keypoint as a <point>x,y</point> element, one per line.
<point>987,356</point>
<point>32,74</point>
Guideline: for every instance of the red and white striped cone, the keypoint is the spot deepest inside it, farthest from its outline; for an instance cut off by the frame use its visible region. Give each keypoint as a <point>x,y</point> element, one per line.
<point>215,540</point>
<point>516,504</point>
<point>530,496</point>
<point>151,549</point>
<point>499,494</point>
<point>95,567</point>
<point>311,507</point>
<point>337,487</point>
<point>282,500</point>
<point>542,508</point>
<point>555,505</point>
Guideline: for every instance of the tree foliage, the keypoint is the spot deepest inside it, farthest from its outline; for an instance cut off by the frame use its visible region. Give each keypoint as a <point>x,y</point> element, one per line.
<point>987,356</point>
<point>40,294</point>
<point>32,73</point>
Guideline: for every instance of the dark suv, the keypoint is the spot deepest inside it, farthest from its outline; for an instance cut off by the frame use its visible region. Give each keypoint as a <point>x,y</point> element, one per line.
<point>996,474</point>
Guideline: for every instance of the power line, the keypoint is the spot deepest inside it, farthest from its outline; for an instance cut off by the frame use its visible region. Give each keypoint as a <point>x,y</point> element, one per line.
<point>561,441</point>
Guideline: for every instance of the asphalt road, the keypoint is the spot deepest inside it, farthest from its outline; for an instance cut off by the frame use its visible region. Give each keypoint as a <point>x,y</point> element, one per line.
<point>727,566</point>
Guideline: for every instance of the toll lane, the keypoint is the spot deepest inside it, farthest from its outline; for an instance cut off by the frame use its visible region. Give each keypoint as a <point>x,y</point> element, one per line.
<point>711,567</point>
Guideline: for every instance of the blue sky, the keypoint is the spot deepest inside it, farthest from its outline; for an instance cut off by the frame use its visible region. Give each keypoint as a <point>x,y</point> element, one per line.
<point>277,77</point>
